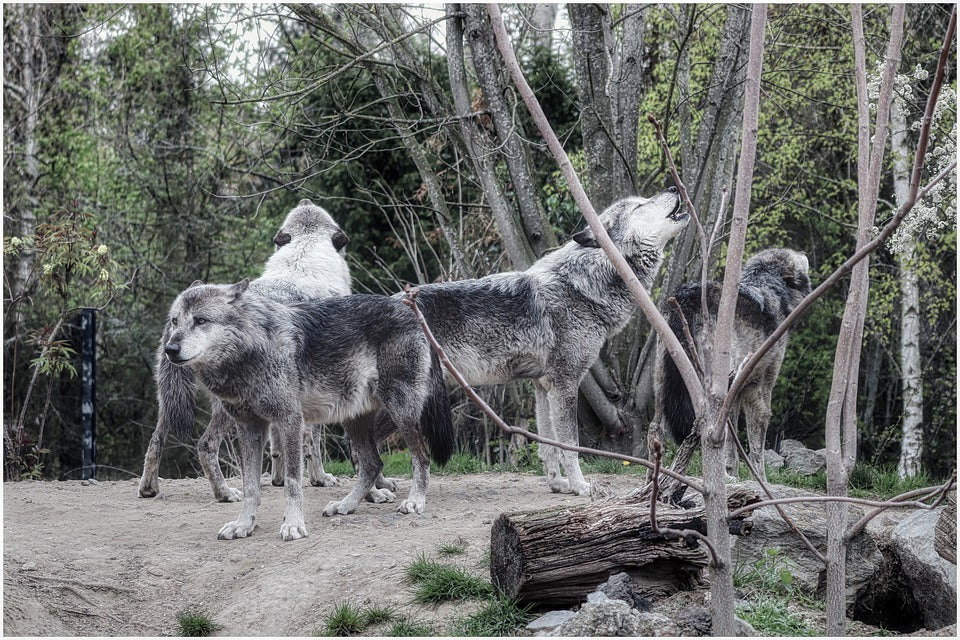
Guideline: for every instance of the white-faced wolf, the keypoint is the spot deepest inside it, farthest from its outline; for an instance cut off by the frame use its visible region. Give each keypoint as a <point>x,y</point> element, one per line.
<point>772,284</point>
<point>548,323</point>
<point>308,263</point>
<point>326,361</point>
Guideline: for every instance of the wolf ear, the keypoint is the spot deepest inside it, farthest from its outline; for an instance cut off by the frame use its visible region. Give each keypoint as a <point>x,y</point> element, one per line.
<point>237,290</point>
<point>586,238</point>
<point>195,283</point>
<point>340,240</point>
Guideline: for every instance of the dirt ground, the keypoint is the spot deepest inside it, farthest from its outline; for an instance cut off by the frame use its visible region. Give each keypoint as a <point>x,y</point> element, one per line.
<point>96,560</point>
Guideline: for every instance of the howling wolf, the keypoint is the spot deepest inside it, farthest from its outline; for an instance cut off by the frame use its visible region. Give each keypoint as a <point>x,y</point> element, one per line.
<point>325,361</point>
<point>772,284</point>
<point>308,263</point>
<point>548,323</point>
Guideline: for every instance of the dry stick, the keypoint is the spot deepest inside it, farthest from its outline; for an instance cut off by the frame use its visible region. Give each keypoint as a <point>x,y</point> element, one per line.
<point>657,322</point>
<point>686,534</point>
<point>411,301</point>
<point>880,504</point>
<point>884,233</point>
<point>926,493</point>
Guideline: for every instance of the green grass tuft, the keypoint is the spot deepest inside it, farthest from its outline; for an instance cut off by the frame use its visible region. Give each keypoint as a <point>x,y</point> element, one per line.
<point>405,628</point>
<point>456,548</point>
<point>772,617</point>
<point>437,582</point>
<point>195,623</point>
<point>501,616</point>
<point>379,614</point>
<point>345,619</point>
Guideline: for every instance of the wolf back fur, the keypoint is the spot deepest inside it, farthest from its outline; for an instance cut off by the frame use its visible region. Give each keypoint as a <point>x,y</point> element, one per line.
<point>308,263</point>
<point>319,362</point>
<point>772,284</point>
<point>548,323</point>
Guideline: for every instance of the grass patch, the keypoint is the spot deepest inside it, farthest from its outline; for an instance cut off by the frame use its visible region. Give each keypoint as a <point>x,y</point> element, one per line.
<point>437,582</point>
<point>501,616</point>
<point>456,548</point>
<point>405,628</point>
<point>379,614</point>
<point>883,482</point>
<point>772,617</point>
<point>345,619</point>
<point>194,623</point>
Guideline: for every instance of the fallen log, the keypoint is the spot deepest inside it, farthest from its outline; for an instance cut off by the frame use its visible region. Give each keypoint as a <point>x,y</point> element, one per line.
<point>556,557</point>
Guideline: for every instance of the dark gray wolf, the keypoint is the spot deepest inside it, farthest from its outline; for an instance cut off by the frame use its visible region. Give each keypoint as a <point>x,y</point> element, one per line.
<point>308,263</point>
<point>323,361</point>
<point>772,284</point>
<point>548,323</point>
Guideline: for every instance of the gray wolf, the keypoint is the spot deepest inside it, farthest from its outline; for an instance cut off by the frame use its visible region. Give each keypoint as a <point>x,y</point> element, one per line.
<point>308,263</point>
<point>772,284</point>
<point>548,323</point>
<point>319,361</point>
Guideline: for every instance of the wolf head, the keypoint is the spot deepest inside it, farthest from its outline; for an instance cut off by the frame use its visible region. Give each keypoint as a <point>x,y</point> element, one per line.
<point>777,279</point>
<point>309,223</point>
<point>203,324</point>
<point>637,223</point>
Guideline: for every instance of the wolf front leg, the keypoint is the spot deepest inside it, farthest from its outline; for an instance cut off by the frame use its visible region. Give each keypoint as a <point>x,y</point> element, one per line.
<point>563,415</point>
<point>251,463</point>
<point>361,433</point>
<point>289,430</point>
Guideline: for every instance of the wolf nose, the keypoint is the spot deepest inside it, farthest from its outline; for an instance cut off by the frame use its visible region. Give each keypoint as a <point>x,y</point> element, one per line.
<point>672,189</point>
<point>281,239</point>
<point>172,349</point>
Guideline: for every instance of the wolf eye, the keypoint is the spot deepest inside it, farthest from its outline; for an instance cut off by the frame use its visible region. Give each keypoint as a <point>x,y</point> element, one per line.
<point>173,321</point>
<point>200,321</point>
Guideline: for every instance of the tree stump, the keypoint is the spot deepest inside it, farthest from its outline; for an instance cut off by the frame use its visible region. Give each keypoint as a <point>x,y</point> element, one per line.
<point>556,557</point>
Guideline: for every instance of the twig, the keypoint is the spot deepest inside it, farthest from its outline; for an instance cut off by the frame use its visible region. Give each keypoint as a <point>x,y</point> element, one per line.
<point>926,493</point>
<point>686,534</point>
<point>411,301</point>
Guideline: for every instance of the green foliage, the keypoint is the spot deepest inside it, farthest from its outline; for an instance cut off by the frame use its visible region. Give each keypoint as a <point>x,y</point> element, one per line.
<point>344,619</point>
<point>499,616</point>
<point>772,617</point>
<point>437,582</point>
<point>195,623</point>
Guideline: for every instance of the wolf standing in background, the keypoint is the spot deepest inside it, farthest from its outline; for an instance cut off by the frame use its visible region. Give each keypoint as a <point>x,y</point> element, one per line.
<point>772,284</point>
<point>548,323</point>
<point>318,362</point>
<point>308,264</point>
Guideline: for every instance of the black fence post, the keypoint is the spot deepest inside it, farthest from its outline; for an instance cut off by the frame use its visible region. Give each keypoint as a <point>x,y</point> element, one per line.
<point>88,397</point>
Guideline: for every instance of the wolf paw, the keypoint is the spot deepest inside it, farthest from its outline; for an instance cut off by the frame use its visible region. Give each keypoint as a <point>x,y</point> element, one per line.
<point>411,506</point>
<point>337,508</point>
<point>229,494</point>
<point>386,483</point>
<point>324,480</point>
<point>293,532</point>
<point>559,485</point>
<point>147,490</point>
<point>581,489</point>
<point>379,496</point>
<point>234,530</point>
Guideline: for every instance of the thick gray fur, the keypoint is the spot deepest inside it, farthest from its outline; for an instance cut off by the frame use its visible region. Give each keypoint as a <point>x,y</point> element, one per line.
<point>548,323</point>
<point>308,263</point>
<point>318,361</point>
<point>772,284</point>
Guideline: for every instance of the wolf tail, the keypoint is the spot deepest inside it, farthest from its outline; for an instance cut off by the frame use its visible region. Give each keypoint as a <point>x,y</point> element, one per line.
<point>678,413</point>
<point>176,396</point>
<point>436,420</point>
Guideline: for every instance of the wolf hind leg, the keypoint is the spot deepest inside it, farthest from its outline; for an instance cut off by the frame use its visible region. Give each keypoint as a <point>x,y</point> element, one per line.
<point>276,458</point>
<point>361,432</point>
<point>549,455</point>
<point>756,406</point>
<point>313,448</point>
<point>208,447</point>
<point>563,416</point>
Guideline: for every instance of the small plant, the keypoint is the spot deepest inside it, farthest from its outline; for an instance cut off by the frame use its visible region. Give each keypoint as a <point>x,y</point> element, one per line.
<point>194,623</point>
<point>772,617</point>
<point>345,619</point>
<point>379,614</point>
<point>456,548</point>
<point>501,616</point>
<point>405,628</point>
<point>770,574</point>
<point>438,582</point>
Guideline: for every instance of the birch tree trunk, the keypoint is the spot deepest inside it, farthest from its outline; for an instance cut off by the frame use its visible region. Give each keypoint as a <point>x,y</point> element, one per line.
<point>911,446</point>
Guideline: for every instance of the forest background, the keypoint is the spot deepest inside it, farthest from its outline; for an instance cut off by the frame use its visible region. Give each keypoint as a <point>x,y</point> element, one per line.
<point>147,146</point>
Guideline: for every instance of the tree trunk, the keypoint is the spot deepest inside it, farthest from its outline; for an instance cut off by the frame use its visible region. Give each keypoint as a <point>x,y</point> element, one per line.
<point>555,557</point>
<point>911,446</point>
